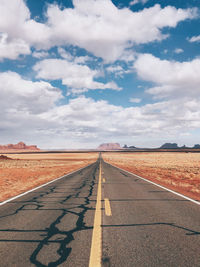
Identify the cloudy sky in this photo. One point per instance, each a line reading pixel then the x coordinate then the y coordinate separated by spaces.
pixel 74 74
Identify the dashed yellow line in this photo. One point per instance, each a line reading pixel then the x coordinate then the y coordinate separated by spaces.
pixel 95 252
pixel 108 211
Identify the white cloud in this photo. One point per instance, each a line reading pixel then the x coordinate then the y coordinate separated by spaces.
pixel 85 119
pixel 76 59
pixel 97 26
pixel 172 79
pixel 21 103
pixel 23 95
pixel 14 15
pixel 128 55
pixel 114 68
pixel 178 50
pixel 117 70
pixel 135 100
pixel 134 2
pixel 12 49
pixel 28 112
pixel 19 28
pixel 64 54
pixel 40 54
pixel 82 59
pixel 15 20
pixel 78 77
pixel 194 39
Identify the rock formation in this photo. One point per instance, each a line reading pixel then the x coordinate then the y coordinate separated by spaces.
pixel 175 146
pixel 129 147
pixel 19 146
pixel 109 146
pixel 169 146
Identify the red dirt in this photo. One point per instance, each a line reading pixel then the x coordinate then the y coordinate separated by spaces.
pixel 32 170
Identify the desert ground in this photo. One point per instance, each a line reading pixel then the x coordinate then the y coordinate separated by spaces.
pixel 177 171
pixel 21 172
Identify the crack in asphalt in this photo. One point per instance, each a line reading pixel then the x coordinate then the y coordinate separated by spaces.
pixel 51 232
pixel 63 250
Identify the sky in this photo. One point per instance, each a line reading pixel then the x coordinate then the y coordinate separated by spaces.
pixel 75 74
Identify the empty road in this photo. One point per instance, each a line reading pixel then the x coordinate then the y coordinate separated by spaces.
pixel 100 216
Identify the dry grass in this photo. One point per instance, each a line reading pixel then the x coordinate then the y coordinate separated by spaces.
pixel 26 171
pixel 178 171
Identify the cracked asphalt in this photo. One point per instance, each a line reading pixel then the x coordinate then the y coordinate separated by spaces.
pixel 51 226
pixel 144 225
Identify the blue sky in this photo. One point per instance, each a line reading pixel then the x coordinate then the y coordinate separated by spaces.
pixel 74 74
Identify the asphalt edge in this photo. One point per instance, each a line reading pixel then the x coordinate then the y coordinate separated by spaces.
pixel 40 186
pixel 174 192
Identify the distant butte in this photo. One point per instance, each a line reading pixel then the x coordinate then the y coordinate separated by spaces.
pixel 109 146
pixel 19 146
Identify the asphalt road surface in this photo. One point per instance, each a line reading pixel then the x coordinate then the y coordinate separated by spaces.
pixel 100 216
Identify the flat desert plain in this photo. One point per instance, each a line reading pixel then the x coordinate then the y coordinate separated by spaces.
pixel 177 171
pixel 22 172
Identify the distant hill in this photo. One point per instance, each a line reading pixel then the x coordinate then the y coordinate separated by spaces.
pixel 197 146
pixel 164 146
pixel 19 146
pixel 130 147
pixel 175 146
pixel 109 146
pixel 169 146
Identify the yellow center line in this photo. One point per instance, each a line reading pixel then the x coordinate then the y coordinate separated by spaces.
pixel 108 211
pixel 95 252
pixel 104 180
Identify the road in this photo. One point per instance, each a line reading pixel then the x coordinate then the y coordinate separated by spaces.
pixel 100 216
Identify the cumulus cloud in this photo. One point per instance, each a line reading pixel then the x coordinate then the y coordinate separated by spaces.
pixel 178 50
pixel 135 100
pixel 97 26
pixel 29 110
pixel 65 54
pixel 21 104
pixel 76 59
pixel 78 77
pixel 15 20
pixel 82 59
pixel 12 49
pixel 40 54
pixel 194 39
pixel 172 79
pixel 34 109
pixel 117 70
pixel 96 120
pixel 17 26
pixel 134 2
pixel 23 95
